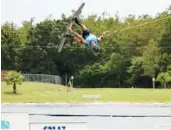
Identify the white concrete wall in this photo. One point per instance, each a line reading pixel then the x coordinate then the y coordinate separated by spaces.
pixel 16 121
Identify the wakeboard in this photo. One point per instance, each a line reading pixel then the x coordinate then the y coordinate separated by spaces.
pixel 63 37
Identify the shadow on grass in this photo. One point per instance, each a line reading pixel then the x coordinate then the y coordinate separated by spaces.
pixel 11 93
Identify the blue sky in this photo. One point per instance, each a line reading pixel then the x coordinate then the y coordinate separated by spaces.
pixel 19 10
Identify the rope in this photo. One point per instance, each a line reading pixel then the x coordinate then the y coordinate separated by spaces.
pixel 137 26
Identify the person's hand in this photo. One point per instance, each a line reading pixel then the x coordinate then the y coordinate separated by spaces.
pixel 103 34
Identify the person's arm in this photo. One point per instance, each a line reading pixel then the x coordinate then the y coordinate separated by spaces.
pixel 75 33
pixel 101 37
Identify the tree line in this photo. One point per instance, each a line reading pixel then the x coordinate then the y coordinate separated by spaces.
pixel 127 58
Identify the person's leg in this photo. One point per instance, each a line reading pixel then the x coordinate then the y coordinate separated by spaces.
pixel 83 27
pixel 78 38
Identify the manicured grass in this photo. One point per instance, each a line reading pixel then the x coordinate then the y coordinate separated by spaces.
pixel 42 92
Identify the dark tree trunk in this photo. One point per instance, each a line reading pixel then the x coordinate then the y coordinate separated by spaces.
pixel 14 88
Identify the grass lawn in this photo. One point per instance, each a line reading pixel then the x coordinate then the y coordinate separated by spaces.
pixel 42 92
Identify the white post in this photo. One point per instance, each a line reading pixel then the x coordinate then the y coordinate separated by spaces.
pixel 153 79
pixel 72 80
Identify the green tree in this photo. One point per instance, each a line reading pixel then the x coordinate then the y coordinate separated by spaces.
pixel 169 69
pixel 14 77
pixel 24 30
pixel 151 59
pixel 165 61
pixel 42 42
pixel 164 78
pixel 135 70
pixel 91 75
pixel 165 32
pixel 10 46
pixel 116 68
